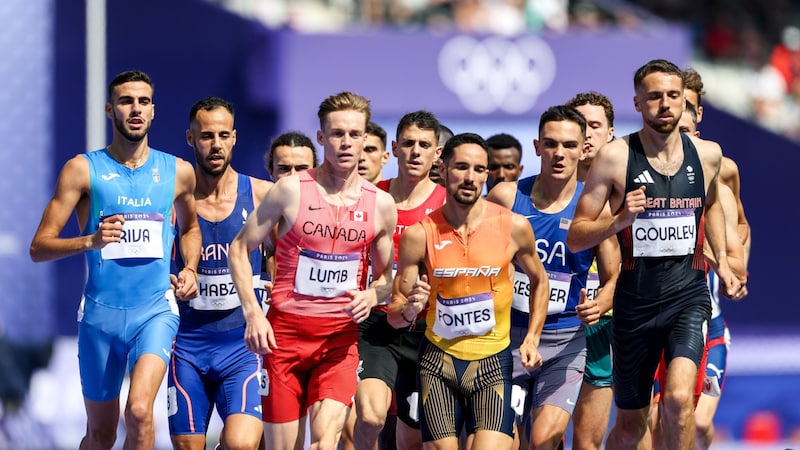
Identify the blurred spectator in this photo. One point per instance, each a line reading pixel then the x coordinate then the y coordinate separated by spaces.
pixel 786 57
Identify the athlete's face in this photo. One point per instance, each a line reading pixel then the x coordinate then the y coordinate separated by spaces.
pixel 212 137
pixel 694 98
pixel 688 125
pixel 465 173
pixel 132 110
pixel 374 156
pixel 504 165
pixel 416 149
pixel 660 100
pixel 598 133
pixel 560 145
pixel 342 137
pixel 290 160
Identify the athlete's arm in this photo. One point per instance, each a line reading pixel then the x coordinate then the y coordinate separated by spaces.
pixel 605 184
pixel 72 191
pixel 280 201
pixel 729 176
pixel 409 291
pixel 609 261
pixel 711 157
pixel 527 258
pixel 503 194
pixel 191 239
pixel 381 256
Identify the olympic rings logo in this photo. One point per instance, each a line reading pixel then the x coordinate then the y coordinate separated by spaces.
pixel 497 73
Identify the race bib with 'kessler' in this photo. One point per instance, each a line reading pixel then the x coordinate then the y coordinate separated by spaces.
pixel 141 238
pixel 472 315
pixel 558 292
pixel 664 232
pixel 326 275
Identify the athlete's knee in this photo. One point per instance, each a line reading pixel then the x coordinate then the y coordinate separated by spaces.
pixel 677 402
pixel 704 425
pixel 138 415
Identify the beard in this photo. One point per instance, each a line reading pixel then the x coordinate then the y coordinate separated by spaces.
pixel 664 128
pixel 213 171
pixel 133 136
pixel 464 199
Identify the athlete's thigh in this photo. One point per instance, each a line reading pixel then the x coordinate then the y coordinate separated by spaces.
pixel 489 403
pixel 441 409
pixel 102 353
pixel 636 350
pixel 237 381
pixel 188 399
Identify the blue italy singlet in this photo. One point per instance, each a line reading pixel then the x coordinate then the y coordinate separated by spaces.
pixel 217 306
pixel 567 271
pixel 136 270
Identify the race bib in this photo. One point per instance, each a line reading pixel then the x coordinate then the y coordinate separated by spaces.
pixel 592 285
pixel 559 291
pixel 522 292
pixel 216 291
pixel 141 238
pixel 326 274
pixel 472 315
pixel 664 232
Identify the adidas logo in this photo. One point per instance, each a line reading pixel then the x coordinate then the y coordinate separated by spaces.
pixel 644 178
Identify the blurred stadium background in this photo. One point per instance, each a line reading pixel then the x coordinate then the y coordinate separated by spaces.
pixel 485 66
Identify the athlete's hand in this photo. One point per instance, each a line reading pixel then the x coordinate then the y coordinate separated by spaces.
pixel 361 304
pixel 730 285
pixel 186 285
pixel 259 336
pixel 420 293
pixel 529 354
pixel 634 204
pixel 588 310
pixel 109 230
pixel 173 282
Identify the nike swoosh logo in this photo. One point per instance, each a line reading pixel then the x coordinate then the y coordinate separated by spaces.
pixel 166 352
pixel 310 208
pixel 530 216
pixel 109 176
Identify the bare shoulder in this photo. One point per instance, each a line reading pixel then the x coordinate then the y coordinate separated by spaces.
pixel 384 203
pixel 260 187
pixel 521 229
pixel 709 151
pixel 503 194
pixel 77 166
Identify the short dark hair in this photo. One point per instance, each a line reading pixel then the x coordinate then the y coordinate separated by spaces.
pixel 208 104
pixel 657 66
pixel 424 120
pixel 377 131
pixel 560 113
pixel 694 82
pixel 596 99
pixel 127 77
pixel 461 139
pixel 290 139
pixel 504 140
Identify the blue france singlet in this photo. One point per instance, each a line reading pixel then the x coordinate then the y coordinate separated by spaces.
pixel 134 271
pixel 567 271
pixel 217 307
pixel 662 252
